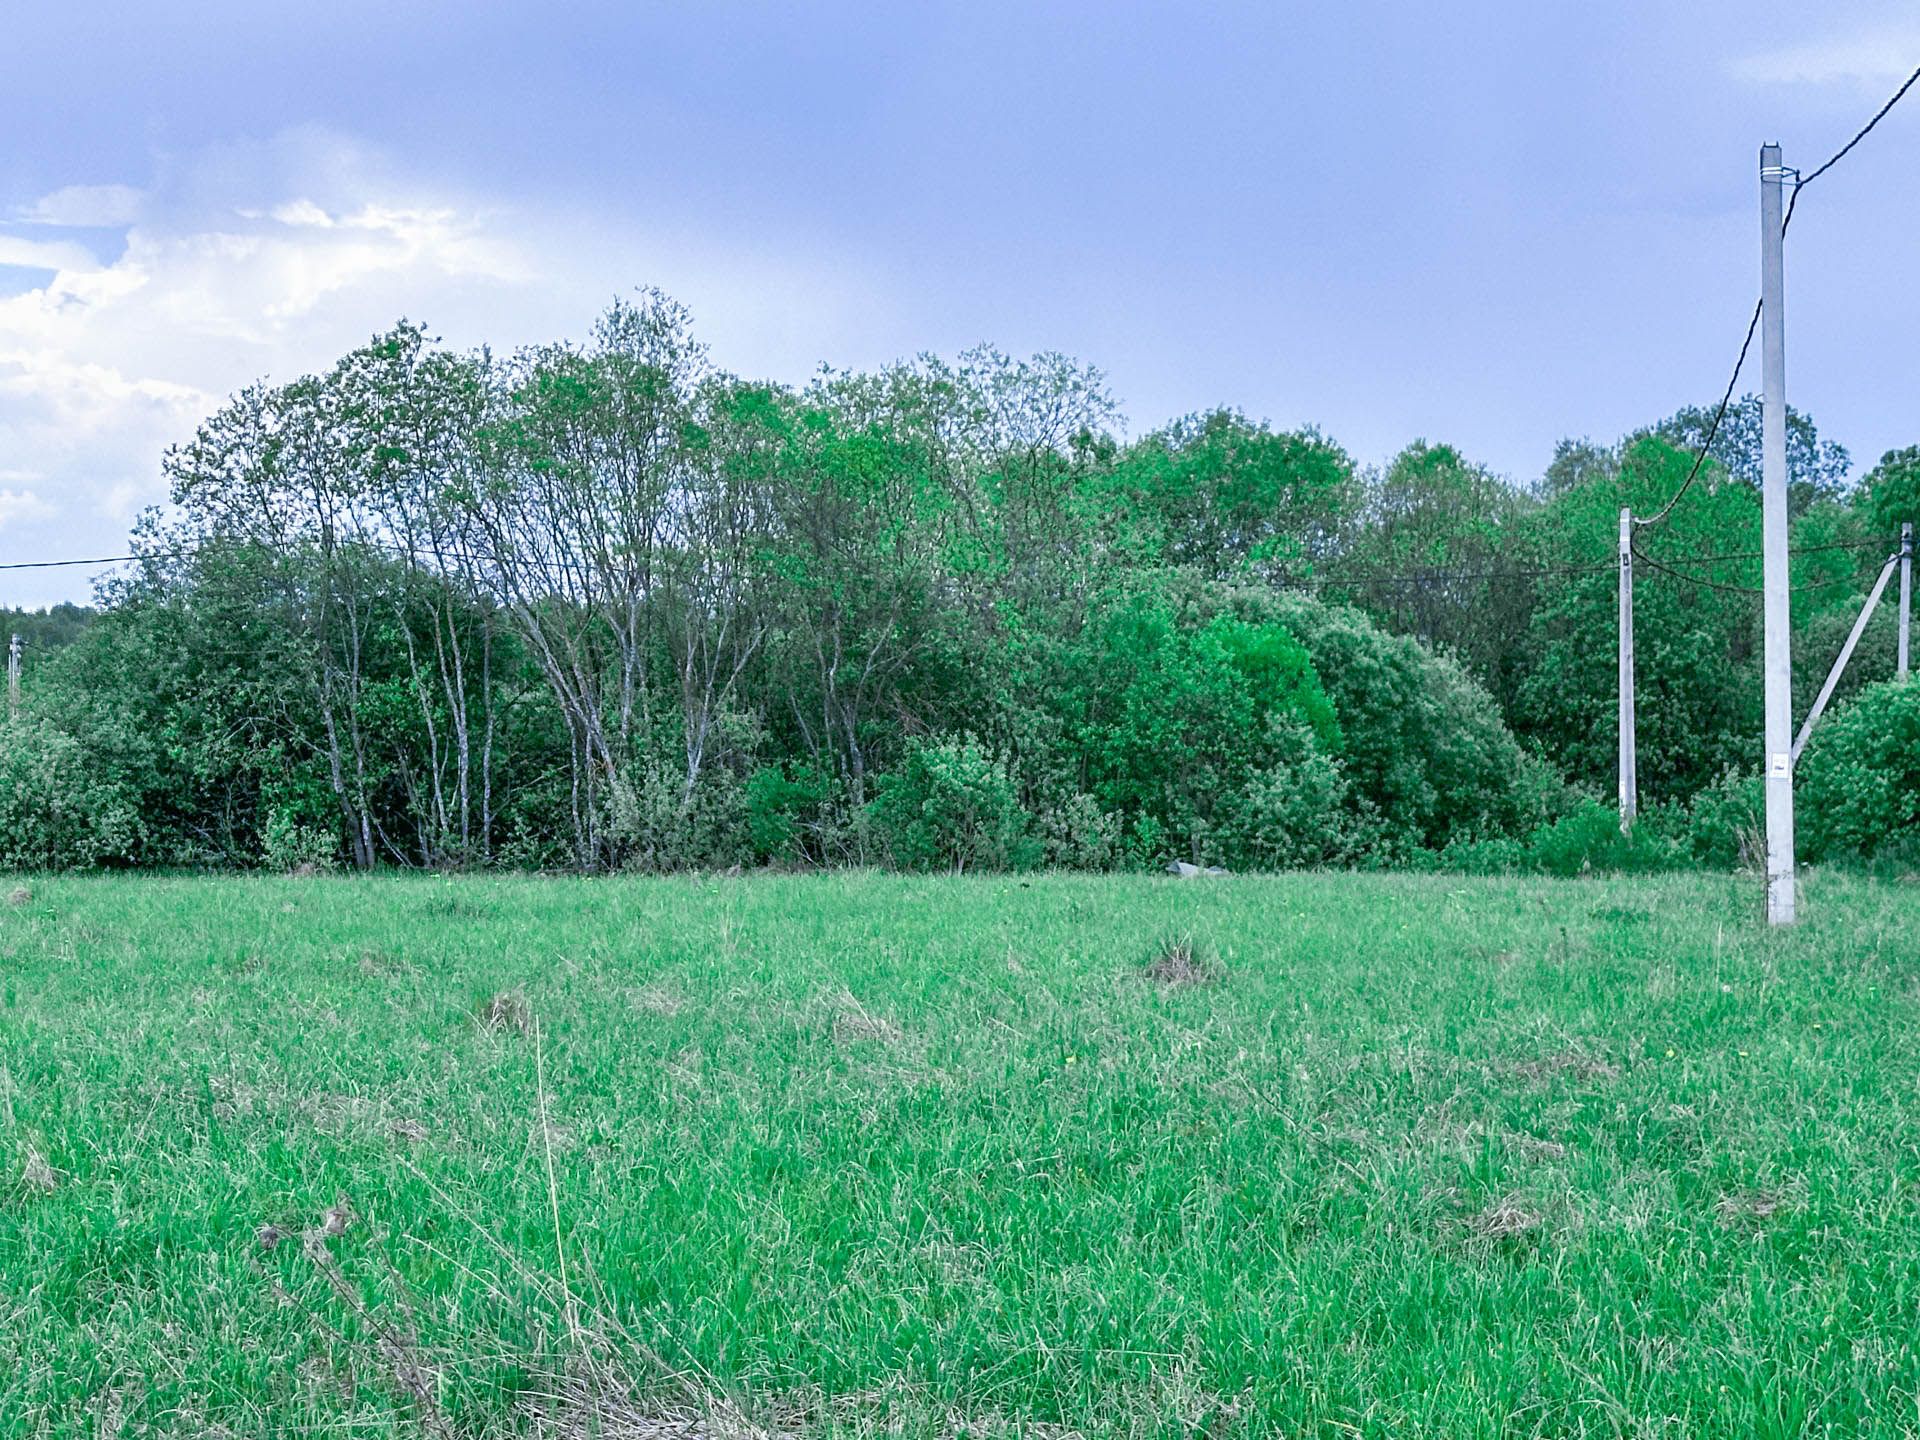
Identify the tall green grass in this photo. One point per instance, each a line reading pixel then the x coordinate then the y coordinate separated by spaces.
pixel 863 1154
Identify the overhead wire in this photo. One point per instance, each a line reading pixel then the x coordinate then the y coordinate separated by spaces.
pixel 1800 183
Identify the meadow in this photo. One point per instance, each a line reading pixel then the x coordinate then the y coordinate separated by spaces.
pixel 863 1154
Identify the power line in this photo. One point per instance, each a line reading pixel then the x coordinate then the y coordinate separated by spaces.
pixel 97 560
pixel 1426 576
pixel 1864 130
pixel 1719 414
pixel 1416 577
pixel 1827 548
pixel 1726 587
pixel 1800 184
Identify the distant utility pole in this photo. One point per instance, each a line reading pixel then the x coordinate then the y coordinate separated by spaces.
pixel 13 674
pixel 1777 647
pixel 1906 597
pixel 1629 765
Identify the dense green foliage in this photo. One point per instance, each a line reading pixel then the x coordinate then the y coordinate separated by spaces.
pixel 874 1155
pixel 1860 778
pixel 603 606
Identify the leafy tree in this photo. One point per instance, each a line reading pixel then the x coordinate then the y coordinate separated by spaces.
pixel 603 605
pixel 1577 463
pixel 1890 494
pixel 47 628
pixel 1695 628
pixel 1816 469
pixel 1183 704
pixel 1228 497
pixel 1426 555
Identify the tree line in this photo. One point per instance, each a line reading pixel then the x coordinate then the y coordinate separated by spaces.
pixel 604 605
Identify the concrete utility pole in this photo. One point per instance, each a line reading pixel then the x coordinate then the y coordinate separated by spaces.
pixel 13 674
pixel 1777 647
pixel 1906 597
pixel 1629 764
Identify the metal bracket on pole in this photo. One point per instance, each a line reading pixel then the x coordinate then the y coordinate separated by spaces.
pixel 1846 654
pixel 1629 765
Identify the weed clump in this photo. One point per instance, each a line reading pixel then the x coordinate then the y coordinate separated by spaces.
pixel 1573 1064
pixel 19 895
pixel 1181 960
pixel 1747 1208
pixel 506 1010
pixel 37 1173
pixel 854 1024
pixel 1508 1218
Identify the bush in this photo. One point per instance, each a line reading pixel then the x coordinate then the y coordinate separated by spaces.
pixel 1589 840
pixel 1859 779
pixel 1425 753
pixel 1726 823
pixel 1503 855
pixel 1181 704
pixel 56 812
pixel 787 810
pixel 1586 840
pixel 953 807
pixel 287 843
pixel 1292 813
pixel 1079 835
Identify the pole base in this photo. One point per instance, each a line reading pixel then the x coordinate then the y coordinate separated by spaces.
pixel 1780 899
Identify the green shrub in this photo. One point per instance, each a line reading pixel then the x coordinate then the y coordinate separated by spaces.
pixel 1292 813
pixel 1859 779
pixel 952 806
pixel 1589 840
pixel 1181 707
pixel 288 843
pixel 1502 855
pixel 56 811
pixel 1079 835
pixel 1424 745
pixel 1146 844
pixel 1726 822
pixel 787 809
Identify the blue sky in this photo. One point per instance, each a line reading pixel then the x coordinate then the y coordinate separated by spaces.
pixel 1493 224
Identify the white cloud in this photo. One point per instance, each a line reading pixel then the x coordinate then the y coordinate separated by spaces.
pixel 44 254
pixel 91 205
pixel 1870 57
pixel 17 505
pixel 270 259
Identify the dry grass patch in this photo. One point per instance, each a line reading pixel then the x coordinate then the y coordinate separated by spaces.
pixel 1181 960
pixel 19 895
pixel 1748 1208
pixel 1532 1148
pixel 657 1000
pixel 506 1010
pixel 36 1173
pixel 1511 1217
pixel 853 1023
pixel 1565 1064
pixel 583 1407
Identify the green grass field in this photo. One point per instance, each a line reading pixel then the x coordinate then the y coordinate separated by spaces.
pixel 877 1155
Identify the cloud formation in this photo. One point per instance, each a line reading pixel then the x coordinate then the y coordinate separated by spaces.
pixel 271 259
pixel 1871 57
